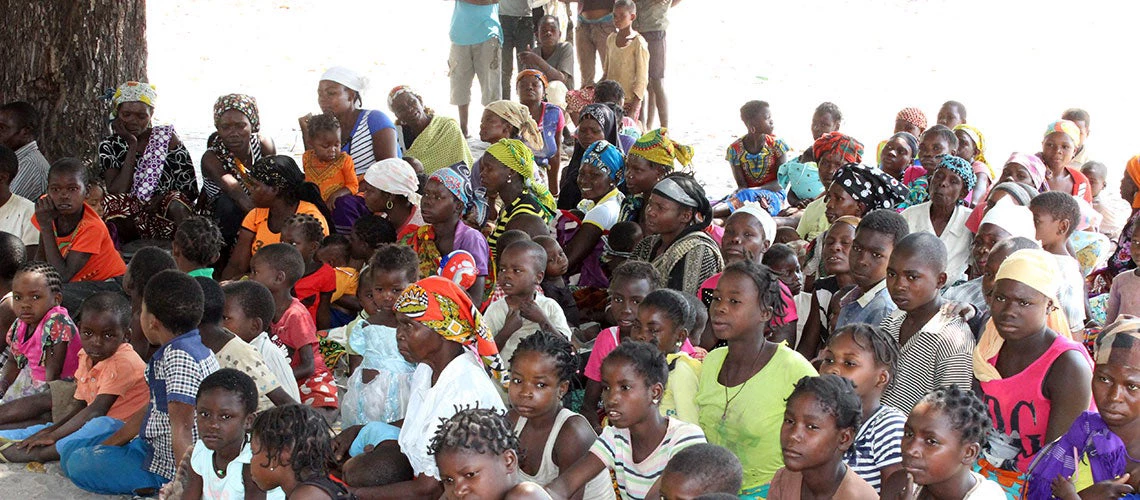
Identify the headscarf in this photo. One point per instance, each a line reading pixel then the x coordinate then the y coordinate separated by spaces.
pixel 1032 164
pixel 607 158
pixel 519 117
pixel 439 304
pixel 246 104
pixel 532 72
pixel 518 157
pixel 961 168
pixel 913 116
pixel 133 91
pixel 347 77
pixel 870 186
pixel 1126 328
pixel 457 179
pixel 605 115
pixel 400 90
pixel 656 147
pixel 1066 127
pixel 395 176
pixel 850 220
pixel 801 179
pixel 761 214
pixel 1018 191
pixel 1132 169
pixel 911 142
pixel 282 172
pixel 685 191
pixel 609 117
pixel 1013 219
pixel 1037 269
pixel 978 138
pixel 851 149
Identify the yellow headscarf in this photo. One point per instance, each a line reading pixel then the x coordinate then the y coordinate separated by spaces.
pixel 519 117
pixel 133 91
pixel 657 147
pixel 980 143
pixel 1037 269
pixel 518 157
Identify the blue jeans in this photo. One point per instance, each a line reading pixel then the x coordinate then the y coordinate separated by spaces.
pixel 109 470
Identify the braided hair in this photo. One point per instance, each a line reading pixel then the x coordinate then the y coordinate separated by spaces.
pixel 200 240
pixel 967 413
pixel 482 430
pixel 884 347
pixel 835 395
pixel 48 271
pixel 767 284
pixel 300 431
pixel 675 306
pixel 311 227
pixel 556 347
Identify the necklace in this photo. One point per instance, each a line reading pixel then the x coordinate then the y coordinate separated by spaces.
pixel 220 471
pixel 728 400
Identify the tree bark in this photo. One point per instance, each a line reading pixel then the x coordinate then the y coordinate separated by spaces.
pixel 62 56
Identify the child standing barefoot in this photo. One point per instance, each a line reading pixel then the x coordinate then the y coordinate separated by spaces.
pixel 551 438
pixel 942 439
pixel 292 447
pixel 41 342
pixel 819 426
pixel 220 462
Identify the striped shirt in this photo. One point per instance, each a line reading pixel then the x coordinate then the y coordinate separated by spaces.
pixel 877 445
pixel 634 479
pixel 940 354
pixel 359 147
pixel 526 203
pixel 31 180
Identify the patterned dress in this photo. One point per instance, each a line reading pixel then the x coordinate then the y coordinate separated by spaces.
pixel 163 175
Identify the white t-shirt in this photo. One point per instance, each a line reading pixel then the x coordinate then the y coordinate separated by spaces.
pixel 230 487
pixel 496 315
pixel 957 238
pixel 605 213
pixel 278 364
pixel 463 383
pixel 16 218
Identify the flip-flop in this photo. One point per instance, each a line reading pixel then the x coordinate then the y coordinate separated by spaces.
pixel 4 446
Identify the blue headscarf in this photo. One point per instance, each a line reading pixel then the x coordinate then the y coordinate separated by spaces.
pixel 960 167
pixel 457 179
pixel 607 158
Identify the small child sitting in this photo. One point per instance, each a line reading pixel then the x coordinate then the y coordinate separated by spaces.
pixel 664 319
pixel 875 238
pixel 480 439
pixel 619 245
pixel 147 262
pixel 700 470
pixel 233 352
pixel 110 387
pixel 292 450
pixel 334 251
pixel 197 245
pixel 1120 303
pixel 367 309
pixel 123 463
pixel 378 388
pixel 554 280
pixel 820 422
pixel 368 233
pixel 755 160
pixel 220 463
pixel 41 342
pixel 326 165
pixel 249 313
pixel 1113 209
pixel 13 254
pixel 16 212
pixel 278 267
pixel 1055 214
pixel 785 264
pixel 73 239
pixel 522 311
pixel 317 284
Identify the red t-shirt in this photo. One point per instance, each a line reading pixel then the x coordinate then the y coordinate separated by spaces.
pixel 295 330
pixel 323 280
pixel 90 237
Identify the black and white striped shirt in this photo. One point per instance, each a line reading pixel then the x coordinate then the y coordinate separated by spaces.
pixel 877 445
pixel 940 354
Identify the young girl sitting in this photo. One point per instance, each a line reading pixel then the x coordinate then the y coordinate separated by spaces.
pixel 943 436
pixel 551 438
pixel 665 319
pixel 220 463
pixel 819 426
pixel 744 386
pixel 316 286
pixel 756 157
pixel 326 165
pixel 639 440
pixel 42 343
pixel 867 357
pixel 836 245
pixel 478 457
pixel 378 388
pixel 292 449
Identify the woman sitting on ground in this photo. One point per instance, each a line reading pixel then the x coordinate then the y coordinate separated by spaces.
pixel 434 140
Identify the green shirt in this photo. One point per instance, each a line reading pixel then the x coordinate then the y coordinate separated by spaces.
pixel 204 272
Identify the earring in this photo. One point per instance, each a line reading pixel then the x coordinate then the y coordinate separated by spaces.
pixel 655 401
pixel 389 206
pixel 510 181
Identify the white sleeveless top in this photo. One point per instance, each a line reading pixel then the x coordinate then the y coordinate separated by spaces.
pixel 599 488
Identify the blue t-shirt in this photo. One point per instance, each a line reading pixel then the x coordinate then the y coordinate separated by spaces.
pixel 474 24
pixel 359 147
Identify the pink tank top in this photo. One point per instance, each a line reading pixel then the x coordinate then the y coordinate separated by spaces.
pixel 1018 407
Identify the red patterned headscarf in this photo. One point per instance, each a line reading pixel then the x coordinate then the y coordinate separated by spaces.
pixel 913 116
pixel 829 143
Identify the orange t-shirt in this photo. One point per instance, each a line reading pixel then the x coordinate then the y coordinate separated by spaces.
pixel 330 176
pixel 91 237
pixel 123 375
pixel 257 221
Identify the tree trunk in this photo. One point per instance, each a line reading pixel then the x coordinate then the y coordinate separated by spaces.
pixel 62 56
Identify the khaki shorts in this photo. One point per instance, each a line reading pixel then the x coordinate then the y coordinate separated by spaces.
pixel 63 400
pixel 481 60
pixel 656 40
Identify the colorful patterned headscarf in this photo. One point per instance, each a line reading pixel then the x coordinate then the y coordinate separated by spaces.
pixel 1066 127
pixel 532 72
pixel 656 147
pixel 913 116
pixel 1132 169
pixel 1032 164
pixel 457 179
pixel 870 186
pixel 960 167
pixel 606 117
pixel 246 104
pixel 831 142
pixel 519 117
pixel 133 92
pixel 395 176
pixel 607 158
pixel 1122 334
pixel 278 171
pixel 979 141
pixel 518 157
pixel 439 304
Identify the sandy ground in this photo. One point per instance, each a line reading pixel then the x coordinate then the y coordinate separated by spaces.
pixel 1016 65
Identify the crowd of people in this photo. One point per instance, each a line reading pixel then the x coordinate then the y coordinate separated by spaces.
pixel 392 317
